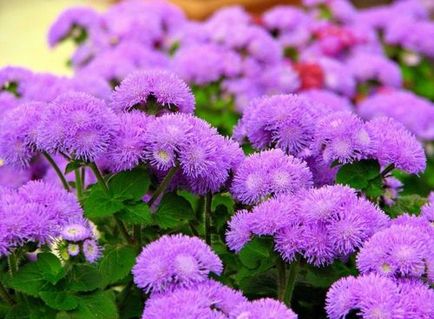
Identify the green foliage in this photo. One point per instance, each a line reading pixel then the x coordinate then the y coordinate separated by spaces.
pixel 173 211
pixel 116 264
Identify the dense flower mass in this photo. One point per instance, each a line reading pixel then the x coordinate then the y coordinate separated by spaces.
pixel 226 168
pixel 175 261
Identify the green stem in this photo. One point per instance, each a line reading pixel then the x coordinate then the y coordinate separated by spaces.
pixel 78 183
pixel 207 217
pixel 58 171
pixel 5 295
pixel 123 230
pixel 13 264
pixel 291 281
pixel 281 279
pixel 83 177
pixel 387 170
pixel 137 234
pixel 163 185
pixel 99 177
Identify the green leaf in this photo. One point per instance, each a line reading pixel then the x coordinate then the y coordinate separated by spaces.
pixel 407 204
pixel 50 267
pixel 116 264
pixel 59 300
pixel 358 174
pixel 83 278
pixel 28 280
pixel 173 211
pixel 100 305
pixel 73 165
pixel 130 184
pixel 97 203
pixel 374 188
pixel 223 199
pixel 136 214
pixel 253 252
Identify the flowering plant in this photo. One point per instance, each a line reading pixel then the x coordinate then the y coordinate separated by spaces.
pixel 240 167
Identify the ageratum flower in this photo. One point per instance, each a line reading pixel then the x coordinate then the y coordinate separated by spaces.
pixel 206 300
pixel 45 87
pixel 419 119
pixel 400 251
pixel 261 309
pixel 154 92
pixel 18 130
pixel 327 223
pixel 342 136
pixel 91 250
pixel 283 121
pixel 13 79
pixel 373 296
pixel 175 261
pixel 327 101
pixel 395 145
pixel 269 173
pixel 127 150
pixel 204 157
pixel 336 76
pixel 376 68
pixel 77 124
pixel 36 212
pixel 76 23
pixel 13 177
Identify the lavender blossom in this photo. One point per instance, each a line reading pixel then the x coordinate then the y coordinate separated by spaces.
pixel 265 308
pixel 175 261
pixel 154 92
pixel 91 250
pixel 269 173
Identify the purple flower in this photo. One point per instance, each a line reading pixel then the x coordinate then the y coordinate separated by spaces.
pixel 73 250
pixel 268 173
pixel 417 300
pixel 205 158
pixel 337 78
pixel 76 231
pixel 77 124
pixel 395 145
pixel 13 79
pixel 400 251
pixel 418 119
pixel 265 308
pixel 93 85
pixel 18 131
pixel 127 150
pixel 327 101
pixel 392 189
pixel 175 261
pixel 239 230
pixel 45 87
pixel 282 120
pixel 91 250
pixel 206 300
pixel 155 92
pixel 369 296
pixel 342 137
pixel 76 23
pixel 13 177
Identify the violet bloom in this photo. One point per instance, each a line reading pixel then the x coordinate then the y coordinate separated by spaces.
pixel 202 64
pixel 45 87
pixel 401 251
pixel 92 84
pixel 283 121
pixel 204 158
pixel 327 101
pixel 13 177
pixel 265 308
pixel 328 223
pixel 175 261
pixel 418 119
pixel 392 189
pixel 18 132
pixel 154 92
pixel 91 250
pixel 373 296
pixel 269 173
pixel 342 136
pixel 206 300
pixel 37 213
pixel 76 23
pixel 77 124
pixel 337 77
pixel 76 231
pixel 13 79
pixel 127 150
pixel 395 145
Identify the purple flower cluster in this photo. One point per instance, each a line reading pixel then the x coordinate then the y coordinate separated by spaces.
pixel 320 224
pixel 175 269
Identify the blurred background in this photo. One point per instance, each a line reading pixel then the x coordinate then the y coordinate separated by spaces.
pixel 24 25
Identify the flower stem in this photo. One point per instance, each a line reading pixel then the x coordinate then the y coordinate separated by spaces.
pixel 5 295
pixel 291 281
pixel 99 177
pixel 286 280
pixel 207 217
pixel 387 170
pixel 163 185
pixel 12 264
pixel 78 183
pixel 58 171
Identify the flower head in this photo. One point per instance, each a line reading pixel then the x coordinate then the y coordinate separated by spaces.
pixel 91 250
pixel 154 92
pixel 265 308
pixel 175 261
